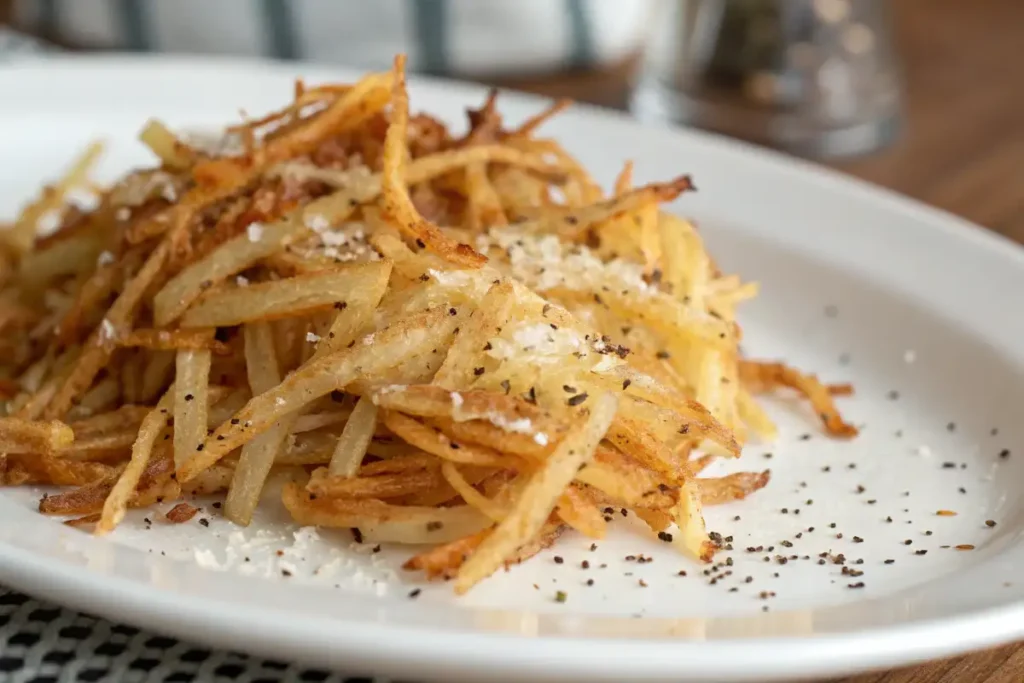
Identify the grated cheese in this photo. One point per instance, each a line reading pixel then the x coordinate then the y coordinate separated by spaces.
pixel 543 262
pixel 544 344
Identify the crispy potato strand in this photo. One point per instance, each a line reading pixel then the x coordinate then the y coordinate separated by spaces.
pixel 437 338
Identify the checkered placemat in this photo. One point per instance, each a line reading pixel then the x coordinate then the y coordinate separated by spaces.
pixel 43 643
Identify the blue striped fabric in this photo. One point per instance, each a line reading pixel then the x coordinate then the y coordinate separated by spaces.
pixel 441 36
pixel 431 21
pixel 132 15
pixel 280 27
pixel 582 52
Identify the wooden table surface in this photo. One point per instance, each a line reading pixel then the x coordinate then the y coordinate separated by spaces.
pixel 962 149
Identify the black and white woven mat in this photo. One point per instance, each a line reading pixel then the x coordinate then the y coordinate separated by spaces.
pixel 44 643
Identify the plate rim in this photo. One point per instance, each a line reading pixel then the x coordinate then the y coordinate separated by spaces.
pixel 820 655
pixel 546 658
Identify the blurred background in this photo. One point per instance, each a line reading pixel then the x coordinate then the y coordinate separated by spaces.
pixel 917 95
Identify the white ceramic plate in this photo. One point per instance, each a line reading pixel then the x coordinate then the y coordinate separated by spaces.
pixel 858 284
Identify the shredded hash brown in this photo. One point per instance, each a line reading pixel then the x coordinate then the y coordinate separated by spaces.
pixel 457 341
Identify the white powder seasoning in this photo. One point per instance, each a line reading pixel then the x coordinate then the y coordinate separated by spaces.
pixel 254 232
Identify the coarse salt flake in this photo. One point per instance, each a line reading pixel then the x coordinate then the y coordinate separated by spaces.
pixel 242 281
pixel 312 337
pixel 606 364
pixel 331 238
pixel 107 330
pixel 207 560
pixel 254 232
pixel 104 259
pixel 317 222
pixel 521 425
